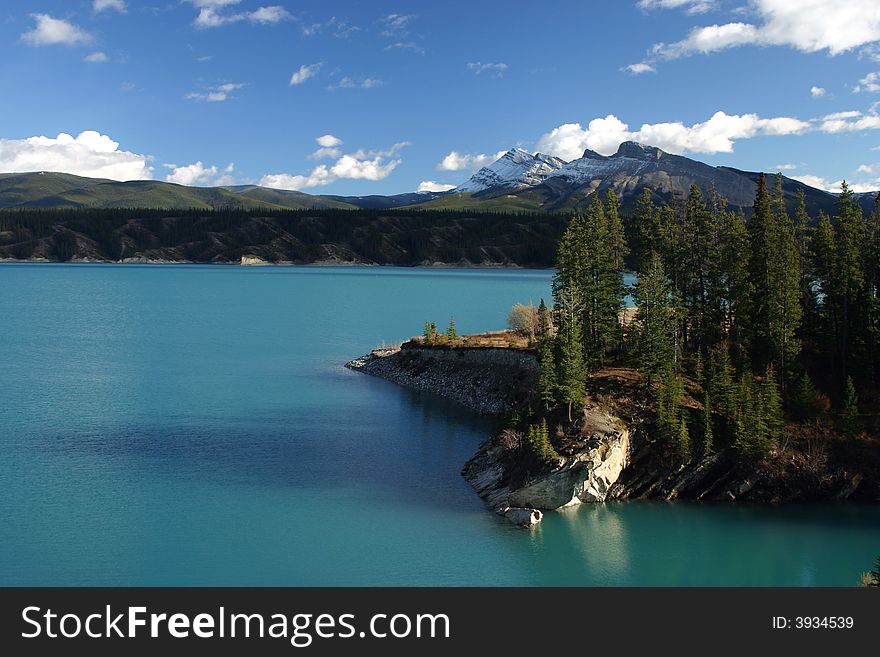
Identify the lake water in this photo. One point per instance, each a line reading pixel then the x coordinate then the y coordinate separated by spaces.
pixel 193 425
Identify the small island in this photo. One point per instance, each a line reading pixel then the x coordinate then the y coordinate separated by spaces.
pixel 745 371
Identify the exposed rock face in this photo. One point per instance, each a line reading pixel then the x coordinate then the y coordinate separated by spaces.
pixel 583 477
pixel 487 380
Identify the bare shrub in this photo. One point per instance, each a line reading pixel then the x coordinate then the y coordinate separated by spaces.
pixel 523 320
pixel 510 439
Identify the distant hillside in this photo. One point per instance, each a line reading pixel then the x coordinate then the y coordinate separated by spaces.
pixel 381 237
pixel 62 190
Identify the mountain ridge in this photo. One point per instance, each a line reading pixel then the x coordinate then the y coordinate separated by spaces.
pixel 518 181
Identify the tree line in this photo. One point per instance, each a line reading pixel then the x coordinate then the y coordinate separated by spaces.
pixel 742 323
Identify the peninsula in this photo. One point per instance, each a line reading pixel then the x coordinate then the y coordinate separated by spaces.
pixel 745 372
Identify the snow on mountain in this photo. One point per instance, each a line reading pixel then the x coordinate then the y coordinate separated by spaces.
pixel 515 170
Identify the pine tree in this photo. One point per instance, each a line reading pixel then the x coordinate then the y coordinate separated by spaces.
pixel 617 238
pixel 671 424
pixel 734 276
pixel 654 320
pixel 804 406
pixel 427 333
pixel 545 323
pixel 848 281
pixel 872 287
pixel 546 371
pixel 708 437
pixel 450 330
pixel 803 238
pixel 648 237
pixel 786 310
pixel 538 439
pixel 774 310
pixel 771 405
pixel 600 285
pixel 571 372
pixel 850 424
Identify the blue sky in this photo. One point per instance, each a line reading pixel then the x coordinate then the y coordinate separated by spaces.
pixel 410 92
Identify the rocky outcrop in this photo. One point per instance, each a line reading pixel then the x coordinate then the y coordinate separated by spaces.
pixel 485 379
pixel 584 475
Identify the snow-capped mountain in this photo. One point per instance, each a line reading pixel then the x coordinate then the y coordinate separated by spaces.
pixel 635 166
pixel 515 170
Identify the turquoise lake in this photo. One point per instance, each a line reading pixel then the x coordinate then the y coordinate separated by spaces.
pixel 194 425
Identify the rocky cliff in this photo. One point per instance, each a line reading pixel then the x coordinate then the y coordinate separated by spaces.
pixel 488 380
pixel 585 473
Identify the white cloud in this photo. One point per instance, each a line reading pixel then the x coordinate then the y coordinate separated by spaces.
pixel 406 45
pixel 55 31
pixel 871 83
pixel 431 186
pixel 329 148
pixel 786 167
pixel 396 24
pixel 338 28
pixel 198 174
pixel 496 68
pixel 96 58
pixel 88 154
pixel 850 121
pixel 305 72
pixel 817 92
pixel 360 165
pixel 216 94
pixel 102 5
pixel 456 161
pixel 354 83
pixel 328 141
pixel 691 6
pixel 869 169
pixel 638 69
pixel 809 26
pixel 211 14
pixel 717 135
pixel 834 186
pixel 269 15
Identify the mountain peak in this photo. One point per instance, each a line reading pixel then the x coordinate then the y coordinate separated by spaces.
pixel 635 150
pixel 515 170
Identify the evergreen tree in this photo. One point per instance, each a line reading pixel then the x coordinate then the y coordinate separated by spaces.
pixel 850 424
pixel 427 332
pixel 720 383
pixel 671 424
pixel 546 371
pixel 571 372
pixel 708 437
pixel 545 323
pixel 733 276
pixel 648 236
pixel 616 236
pixel 654 320
pixel 804 406
pixel 803 238
pixel 774 295
pixel 538 439
pixel 786 309
pixel 872 287
pixel 771 405
pixel 451 333
pixel 847 280
pixel 600 285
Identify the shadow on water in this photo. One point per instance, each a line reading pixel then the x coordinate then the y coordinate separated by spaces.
pixel 410 447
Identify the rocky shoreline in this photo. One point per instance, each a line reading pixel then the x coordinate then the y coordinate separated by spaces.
pixel 603 457
pixel 486 380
